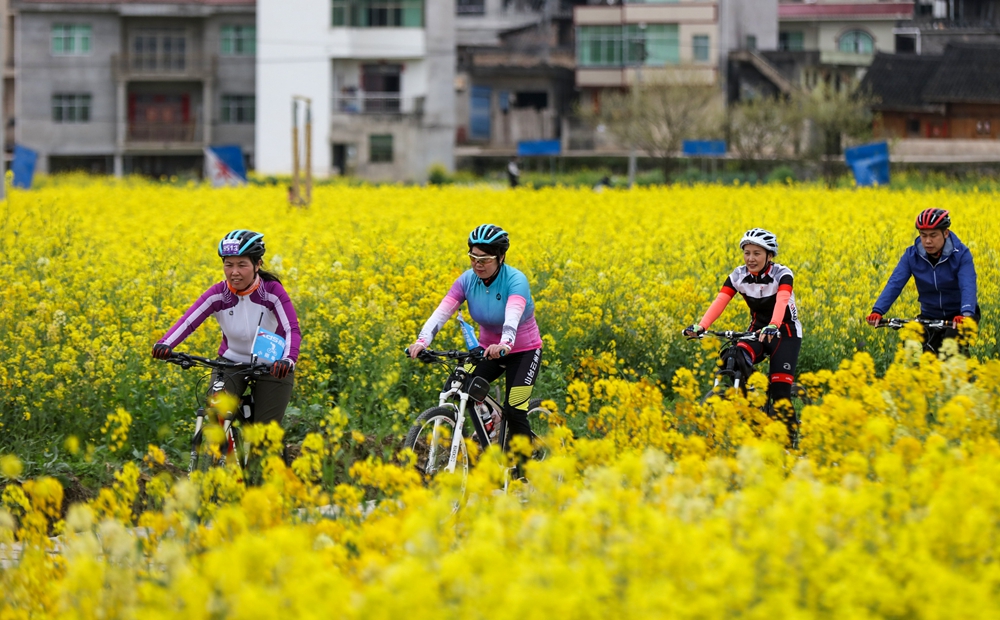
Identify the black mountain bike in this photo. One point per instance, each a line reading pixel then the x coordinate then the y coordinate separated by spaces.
pixel 209 454
pixel 734 371
pixel 930 326
pixel 437 435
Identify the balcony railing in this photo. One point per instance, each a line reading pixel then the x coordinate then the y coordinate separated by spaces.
pixel 377 103
pixel 164 132
pixel 164 66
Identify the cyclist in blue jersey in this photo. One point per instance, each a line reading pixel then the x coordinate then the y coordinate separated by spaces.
pixel 944 273
pixel 500 301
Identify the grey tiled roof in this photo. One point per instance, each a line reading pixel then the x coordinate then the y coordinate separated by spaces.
pixel 898 80
pixel 970 73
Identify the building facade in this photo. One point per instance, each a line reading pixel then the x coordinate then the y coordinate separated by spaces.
pixel 380 75
pixel 620 43
pixel 133 87
pixel 936 23
pixel 515 77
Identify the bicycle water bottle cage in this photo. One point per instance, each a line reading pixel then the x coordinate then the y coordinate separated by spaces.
pixel 477 388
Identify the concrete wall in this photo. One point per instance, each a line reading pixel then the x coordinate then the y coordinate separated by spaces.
pixel 41 75
pixel 234 75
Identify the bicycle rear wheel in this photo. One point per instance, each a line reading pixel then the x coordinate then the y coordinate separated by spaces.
pixel 430 439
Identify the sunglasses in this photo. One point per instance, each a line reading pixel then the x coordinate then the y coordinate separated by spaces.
pixel 481 259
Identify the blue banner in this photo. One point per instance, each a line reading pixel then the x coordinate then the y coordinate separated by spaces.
pixel 869 163
pixel 224 165
pixel 23 166
pixel 704 148
pixel 527 148
pixel 471 342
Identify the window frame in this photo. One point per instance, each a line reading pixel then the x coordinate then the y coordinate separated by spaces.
pixel 75 32
pixel 73 108
pixel 241 40
pixel 238 109
pixel 360 13
pixel 701 42
pixel 855 35
pixel 378 155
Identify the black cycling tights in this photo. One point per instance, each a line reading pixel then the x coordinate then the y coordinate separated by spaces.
pixel 784 354
pixel 522 370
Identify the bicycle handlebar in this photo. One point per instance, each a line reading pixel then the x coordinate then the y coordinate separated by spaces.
pixel 731 335
pixel 429 356
pixel 899 323
pixel 186 361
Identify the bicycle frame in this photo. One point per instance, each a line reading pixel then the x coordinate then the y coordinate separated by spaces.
pixel 461 384
pixel 186 362
pixel 732 338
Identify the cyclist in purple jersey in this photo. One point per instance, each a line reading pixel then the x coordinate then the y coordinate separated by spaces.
pixel 249 297
pixel 500 301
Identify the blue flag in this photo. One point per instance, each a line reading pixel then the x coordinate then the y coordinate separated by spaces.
pixel 471 342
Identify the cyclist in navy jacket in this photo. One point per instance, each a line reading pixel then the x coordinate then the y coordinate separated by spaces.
pixel 943 271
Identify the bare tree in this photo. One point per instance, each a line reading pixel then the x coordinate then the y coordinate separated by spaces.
pixel 657 116
pixel 833 114
pixel 762 127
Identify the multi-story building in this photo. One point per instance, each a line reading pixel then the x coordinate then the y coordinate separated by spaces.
pixel 620 42
pixel 936 23
pixel 831 41
pixel 137 86
pixel 515 77
pixel 9 82
pixel 380 75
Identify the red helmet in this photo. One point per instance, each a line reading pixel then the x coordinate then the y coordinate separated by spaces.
pixel 930 219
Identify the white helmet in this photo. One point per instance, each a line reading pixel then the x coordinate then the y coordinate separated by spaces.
pixel 761 237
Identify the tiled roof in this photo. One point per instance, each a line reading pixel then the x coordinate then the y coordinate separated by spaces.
pixel 970 73
pixel 898 80
pixel 965 73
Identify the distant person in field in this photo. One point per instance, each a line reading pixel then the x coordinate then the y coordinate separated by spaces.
pixel 248 297
pixel 513 172
pixel 945 276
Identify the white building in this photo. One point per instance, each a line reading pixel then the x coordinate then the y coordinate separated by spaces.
pixel 381 77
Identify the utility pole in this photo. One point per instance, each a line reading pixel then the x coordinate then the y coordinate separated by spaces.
pixel 295 194
pixel 632 154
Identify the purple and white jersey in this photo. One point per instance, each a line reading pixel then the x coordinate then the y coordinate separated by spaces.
pixel 267 305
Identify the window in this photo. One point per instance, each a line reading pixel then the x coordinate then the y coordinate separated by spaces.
pixel 239 40
pixel 470 7
pixel 159 50
pixel 629 45
pixel 238 108
pixel 856 42
pixel 913 127
pixel 751 42
pixel 71 108
pixel 70 39
pixel 656 44
pixel 599 46
pixel 700 47
pixel 791 41
pixel 378 13
pixel 380 148
pixel 381 85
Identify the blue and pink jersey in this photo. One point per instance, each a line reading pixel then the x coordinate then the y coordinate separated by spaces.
pixel 265 304
pixel 504 310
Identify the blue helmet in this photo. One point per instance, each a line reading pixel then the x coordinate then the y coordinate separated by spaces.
pixel 242 243
pixel 490 235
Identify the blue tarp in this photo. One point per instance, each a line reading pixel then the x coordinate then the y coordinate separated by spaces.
pixel 870 163
pixel 23 166
pixel 527 148
pixel 704 148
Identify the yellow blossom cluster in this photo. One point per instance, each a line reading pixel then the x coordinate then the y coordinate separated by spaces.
pixel 95 271
pixel 891 508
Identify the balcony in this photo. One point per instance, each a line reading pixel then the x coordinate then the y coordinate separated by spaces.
pixel 182 136
pixel 369 103
pixel 163 67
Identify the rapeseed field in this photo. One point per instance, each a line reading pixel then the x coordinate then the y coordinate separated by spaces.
pixel 650 504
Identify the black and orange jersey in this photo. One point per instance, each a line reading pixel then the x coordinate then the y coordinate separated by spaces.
pixel 760 291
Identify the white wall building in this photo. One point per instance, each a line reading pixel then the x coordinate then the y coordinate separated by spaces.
pixel 381 77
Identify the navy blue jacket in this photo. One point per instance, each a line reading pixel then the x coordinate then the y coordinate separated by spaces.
pixel 945 290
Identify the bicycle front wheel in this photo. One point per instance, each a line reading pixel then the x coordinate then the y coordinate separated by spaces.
pixel 430 439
